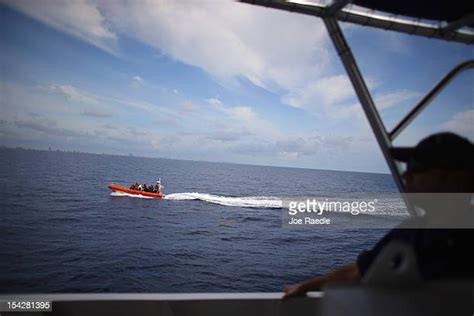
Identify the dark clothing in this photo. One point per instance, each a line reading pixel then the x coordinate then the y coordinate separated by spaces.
pixel 441 253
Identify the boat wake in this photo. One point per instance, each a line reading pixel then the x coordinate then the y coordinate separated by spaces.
pixel 118 193
pixel 244 201
pixel 386 207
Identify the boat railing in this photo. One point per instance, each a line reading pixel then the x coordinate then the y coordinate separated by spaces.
pixel 168 304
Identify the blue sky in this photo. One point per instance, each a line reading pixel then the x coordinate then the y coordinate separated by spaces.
pixel 215 81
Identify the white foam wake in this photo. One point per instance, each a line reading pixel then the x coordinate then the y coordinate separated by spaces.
pixel 244 201
pixel 118 193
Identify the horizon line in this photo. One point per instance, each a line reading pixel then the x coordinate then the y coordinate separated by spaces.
pixel 131 155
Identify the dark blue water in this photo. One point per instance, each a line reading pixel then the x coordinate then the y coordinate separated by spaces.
pixel 62 231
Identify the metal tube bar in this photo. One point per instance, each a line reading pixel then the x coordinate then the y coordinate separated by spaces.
pixel 429 97
pixel 58 297
pixel 366 100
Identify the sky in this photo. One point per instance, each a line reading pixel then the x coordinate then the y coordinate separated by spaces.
pixel 214 81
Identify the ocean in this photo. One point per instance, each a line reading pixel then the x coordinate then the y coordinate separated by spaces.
pixel 217 230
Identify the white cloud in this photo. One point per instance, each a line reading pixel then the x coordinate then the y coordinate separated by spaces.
pixel 245 117
pixel 228 135
pixel 96 113
pixel 228 39
pixel 137 81
pixel 383 102
pixel 273 49
pixel 75 94
pixel 292 155
pixel 189 107
pixel 462 123
pixel 298 146
pixel 334 97
pixel 48 127
pixel 214 102
pixel 224 133
pixel 388 100
pixel 321 93
pixel 71 93
pixel 80 18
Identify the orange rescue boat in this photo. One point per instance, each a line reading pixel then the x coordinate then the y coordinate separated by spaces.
pixel 115 187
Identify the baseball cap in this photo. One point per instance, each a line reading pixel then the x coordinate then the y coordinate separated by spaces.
pixel 438 151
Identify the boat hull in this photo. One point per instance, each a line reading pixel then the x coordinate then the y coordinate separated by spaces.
pixel 120 188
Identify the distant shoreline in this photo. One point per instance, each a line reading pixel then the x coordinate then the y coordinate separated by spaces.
pixel 56 150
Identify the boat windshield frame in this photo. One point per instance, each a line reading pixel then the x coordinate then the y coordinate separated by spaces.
pixel 338 10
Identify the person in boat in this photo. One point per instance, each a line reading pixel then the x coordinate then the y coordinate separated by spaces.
pixel 159 186
pixel 149 188
pixel 140 187
pixel 440 163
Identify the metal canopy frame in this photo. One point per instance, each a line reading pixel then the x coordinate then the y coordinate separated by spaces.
pixel 453 31
pixel 335 12
pixel 458 24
